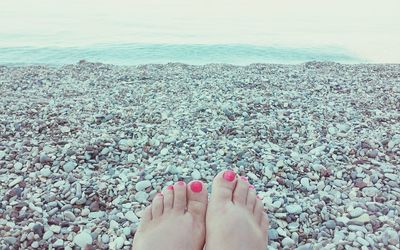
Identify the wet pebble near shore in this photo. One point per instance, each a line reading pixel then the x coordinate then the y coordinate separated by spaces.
pixel 84 148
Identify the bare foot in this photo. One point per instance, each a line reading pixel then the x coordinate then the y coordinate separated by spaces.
pixel 175 220
pixel 235 217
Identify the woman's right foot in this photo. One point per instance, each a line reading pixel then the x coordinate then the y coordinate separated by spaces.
pixel 235 216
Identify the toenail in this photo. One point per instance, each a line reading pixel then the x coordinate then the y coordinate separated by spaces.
pixel 160 194
pixel 196 186
pixel 170 187
pixel 181 183
pixel 244 178
pixel 251 187
pixel 258 197
pixel 229 175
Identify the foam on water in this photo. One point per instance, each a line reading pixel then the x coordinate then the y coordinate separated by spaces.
pixel 132 54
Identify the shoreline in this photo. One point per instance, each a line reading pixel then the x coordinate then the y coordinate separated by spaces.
pixel 82 146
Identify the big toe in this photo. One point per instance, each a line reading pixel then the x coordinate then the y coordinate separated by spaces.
pixel 197 198
pixel 223 186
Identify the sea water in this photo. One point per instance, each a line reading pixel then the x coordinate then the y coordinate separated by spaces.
pixel 240 32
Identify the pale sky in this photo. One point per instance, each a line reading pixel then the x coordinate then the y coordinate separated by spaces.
pixel 368 28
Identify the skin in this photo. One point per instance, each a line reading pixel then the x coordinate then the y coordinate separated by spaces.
pixel 181 219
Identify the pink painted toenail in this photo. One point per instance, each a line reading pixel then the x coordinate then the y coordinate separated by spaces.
pixel 181 183
pixel 251 187
pixel 229 175
pixel 196 186
pixel 244 178
pixel 258 197
pixel 170 187
pixel 160 194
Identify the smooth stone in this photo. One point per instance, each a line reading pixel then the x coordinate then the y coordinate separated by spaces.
pixel 252 176
pixel 391 236
pixel 38 229
pixel 2 154
pixel 15 181
pixel 294 209
pixel 46 172
pixel 273 234
pixel 268 172
pixel 69 166
pixel 356 228
pixel 288 242
pixel 35 244
pixel 196 175
pixel 18 166
pixel 114 225
pixel 47 235
pixel 131 216
pixel 142 185
pixel 85 211
pixel 58 243
pixel 330 224
pixel 164 151
pixel 126 231
pixel 356 212
pixel 55 228
pixel 392 177
pixel 10 240
pixel 305 182
pixel 370 191
pixel 82 239
pixel 69 216
pixel 364 218
pixel 141 196
pixel 119 242
pixel 105 238
pixel 362 241
pixel 96 215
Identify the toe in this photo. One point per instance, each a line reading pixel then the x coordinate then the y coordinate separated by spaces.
pixel 146 217
pixel 179 197
pixel 168 198
pixel 264 225
pixel 251 199
pixel 197 198
pixel 223 185
pixel 157 206
pixel 241 190
pixel 258 210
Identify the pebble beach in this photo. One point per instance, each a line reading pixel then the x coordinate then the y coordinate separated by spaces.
pixel 85 147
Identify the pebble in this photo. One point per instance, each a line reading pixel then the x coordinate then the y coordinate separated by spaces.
pixel 119 242
pixel 141 197
pixel 330 224
pixel 47 235
pixel 288 242
pixel 273 234
pixel 196 174
pixel 69 166
pixel 356 212
pixel 55 228
pixel 131 216
pixel 91 179
pixel 58 243
pixel 69 216
pixel 142 185
pixel 105 238
pixel 294 209
pixel 15 181
pixel 35 244
pixel 362 241
pixel 46 172
pixel 82 239
pixel 305 182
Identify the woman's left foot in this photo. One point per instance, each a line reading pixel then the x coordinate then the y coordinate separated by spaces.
pixel 175 220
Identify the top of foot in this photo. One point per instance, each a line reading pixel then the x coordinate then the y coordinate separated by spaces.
pixel 235 216
pixel 175 220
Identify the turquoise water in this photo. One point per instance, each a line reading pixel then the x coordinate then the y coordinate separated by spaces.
pixel 132 54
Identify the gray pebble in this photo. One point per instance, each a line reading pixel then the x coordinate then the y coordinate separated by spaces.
pixel 69 166
pixel 142 185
